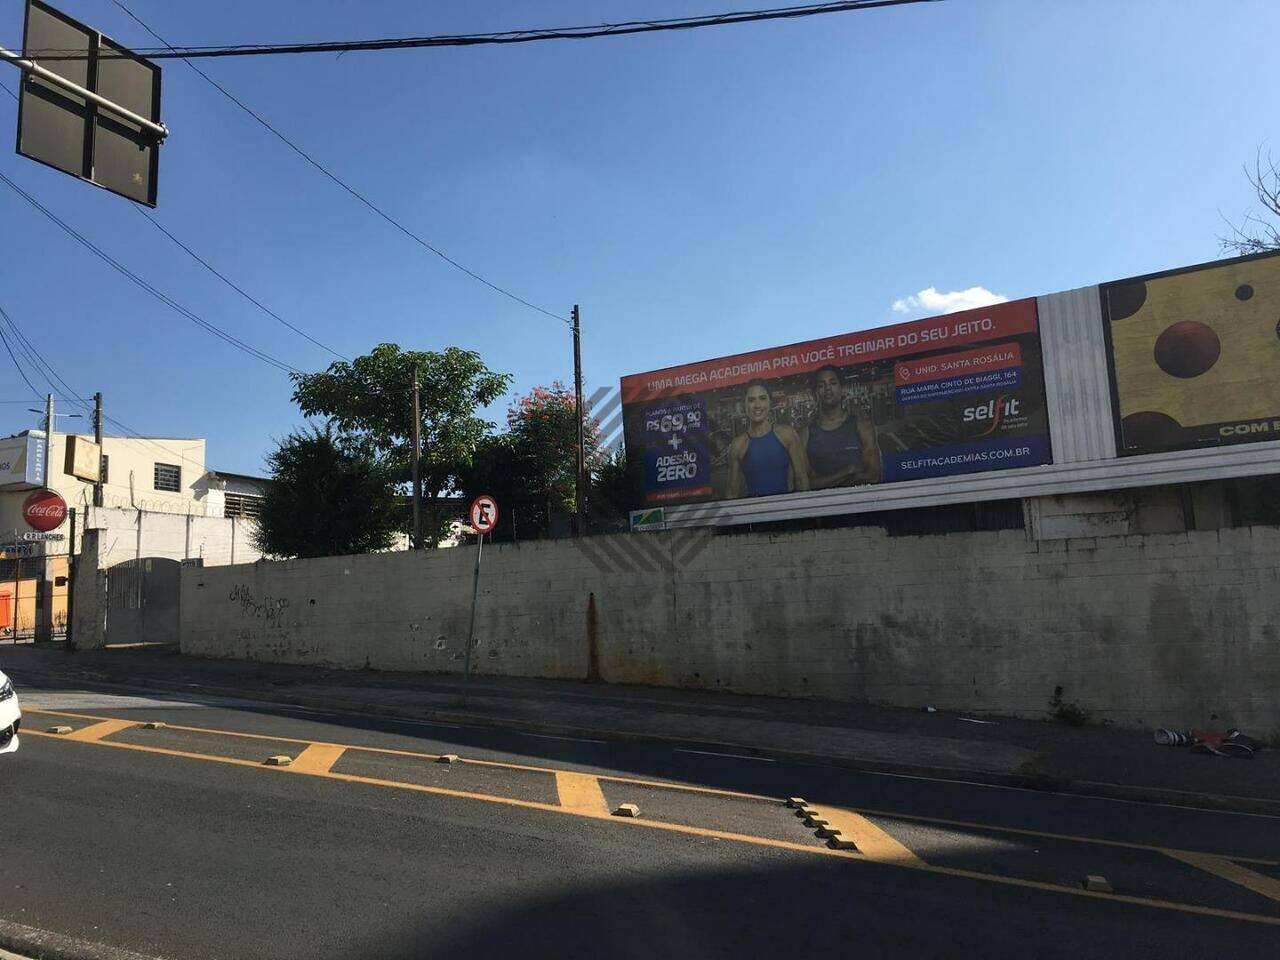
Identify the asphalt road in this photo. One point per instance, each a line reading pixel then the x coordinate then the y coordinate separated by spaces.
pixel 181 842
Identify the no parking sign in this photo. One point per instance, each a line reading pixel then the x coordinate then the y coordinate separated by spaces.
pixel 484 514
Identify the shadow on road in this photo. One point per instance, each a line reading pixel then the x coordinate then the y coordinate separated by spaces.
pixel 819 910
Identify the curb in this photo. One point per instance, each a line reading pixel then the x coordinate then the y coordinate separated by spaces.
pixel 1043 783
pixel 32 943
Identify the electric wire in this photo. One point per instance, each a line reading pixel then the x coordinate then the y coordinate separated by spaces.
pixel 69 394
pixel 485 39
pixel 148 287
pixel 339 181
pixel 238 289
pixel 34 392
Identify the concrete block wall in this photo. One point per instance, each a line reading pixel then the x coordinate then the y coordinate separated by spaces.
pixel 126 534
pixel 1174 629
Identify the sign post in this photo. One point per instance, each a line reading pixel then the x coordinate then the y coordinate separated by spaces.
pixel 484 517
pixel 44 511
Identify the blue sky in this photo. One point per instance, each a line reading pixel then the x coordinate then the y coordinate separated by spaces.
pixel 699 194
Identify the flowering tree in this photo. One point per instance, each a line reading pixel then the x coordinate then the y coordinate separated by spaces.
pixel 544 431
pixel 531 467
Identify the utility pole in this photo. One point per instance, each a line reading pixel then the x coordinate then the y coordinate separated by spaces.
pixel 417 464
pixel 580 485
pixel 97 438
pixel 44 617
pixel 48 438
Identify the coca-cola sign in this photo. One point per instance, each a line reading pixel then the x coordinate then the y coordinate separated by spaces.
pixel 44 510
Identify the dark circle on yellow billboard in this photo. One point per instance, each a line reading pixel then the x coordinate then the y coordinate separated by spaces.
pixel 1150 428
pixel 1187 349
pixel 1244 292
pixel 1126 299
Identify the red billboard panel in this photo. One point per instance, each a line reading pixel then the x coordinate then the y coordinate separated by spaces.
pixel 954 394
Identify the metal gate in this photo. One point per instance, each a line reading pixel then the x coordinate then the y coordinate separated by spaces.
pixel 22 602
pixel 142 601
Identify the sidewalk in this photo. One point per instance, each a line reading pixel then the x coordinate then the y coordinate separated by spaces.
pixel 1090 760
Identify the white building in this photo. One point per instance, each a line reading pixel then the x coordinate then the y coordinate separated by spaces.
pixel 155 474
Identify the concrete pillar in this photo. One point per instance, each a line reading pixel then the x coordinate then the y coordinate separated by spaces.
pixel 89 614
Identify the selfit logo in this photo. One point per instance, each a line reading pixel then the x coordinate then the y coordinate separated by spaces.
pixel 996 411
pixel 44 510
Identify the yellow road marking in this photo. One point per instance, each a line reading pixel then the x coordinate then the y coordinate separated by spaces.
pixel 317 758
pixel 581 792
pixel 1073 838
pixel 97 731
pixel 710 791
pixel 1222 867
pixel 873 843
pixel 504 765
pixel 811 849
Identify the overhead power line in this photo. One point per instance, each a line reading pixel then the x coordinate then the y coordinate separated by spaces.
pixel 149 288
pixel 34 392
pixel 33 356
pixel 506 37
pixel 67 392
pixel 432 248
pixel 240 290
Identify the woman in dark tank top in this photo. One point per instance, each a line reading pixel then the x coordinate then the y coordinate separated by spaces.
pixel 841 448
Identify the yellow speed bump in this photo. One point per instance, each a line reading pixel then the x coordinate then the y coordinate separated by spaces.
pixel 627 810
pixel 103 728
pixel 581 792
pixel 318 758
pixel 864 836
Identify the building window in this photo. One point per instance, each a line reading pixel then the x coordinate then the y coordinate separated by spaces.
pixel 168 477
pixel 244 505
pixel 103 461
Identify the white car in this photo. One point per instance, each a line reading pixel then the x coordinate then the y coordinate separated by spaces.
pixel 10 716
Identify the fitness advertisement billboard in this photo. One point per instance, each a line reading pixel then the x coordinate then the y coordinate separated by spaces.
pixel 961 393
pixel 1195 355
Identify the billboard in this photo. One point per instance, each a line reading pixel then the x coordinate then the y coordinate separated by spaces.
pixel 1194 355
pixel 22 460
pixel 83 458
pixel 961 393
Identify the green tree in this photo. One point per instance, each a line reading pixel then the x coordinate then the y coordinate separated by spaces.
pixel 611 493
pixel 497 469
pixel 327 499
pixel 368 400
pixel 531 467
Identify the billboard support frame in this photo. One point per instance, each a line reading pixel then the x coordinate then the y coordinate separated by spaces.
pixel 157 130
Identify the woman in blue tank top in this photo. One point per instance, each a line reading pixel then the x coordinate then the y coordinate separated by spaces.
pixel 768 458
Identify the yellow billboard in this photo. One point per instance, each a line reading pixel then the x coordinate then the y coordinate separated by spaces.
pixel 1195 355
